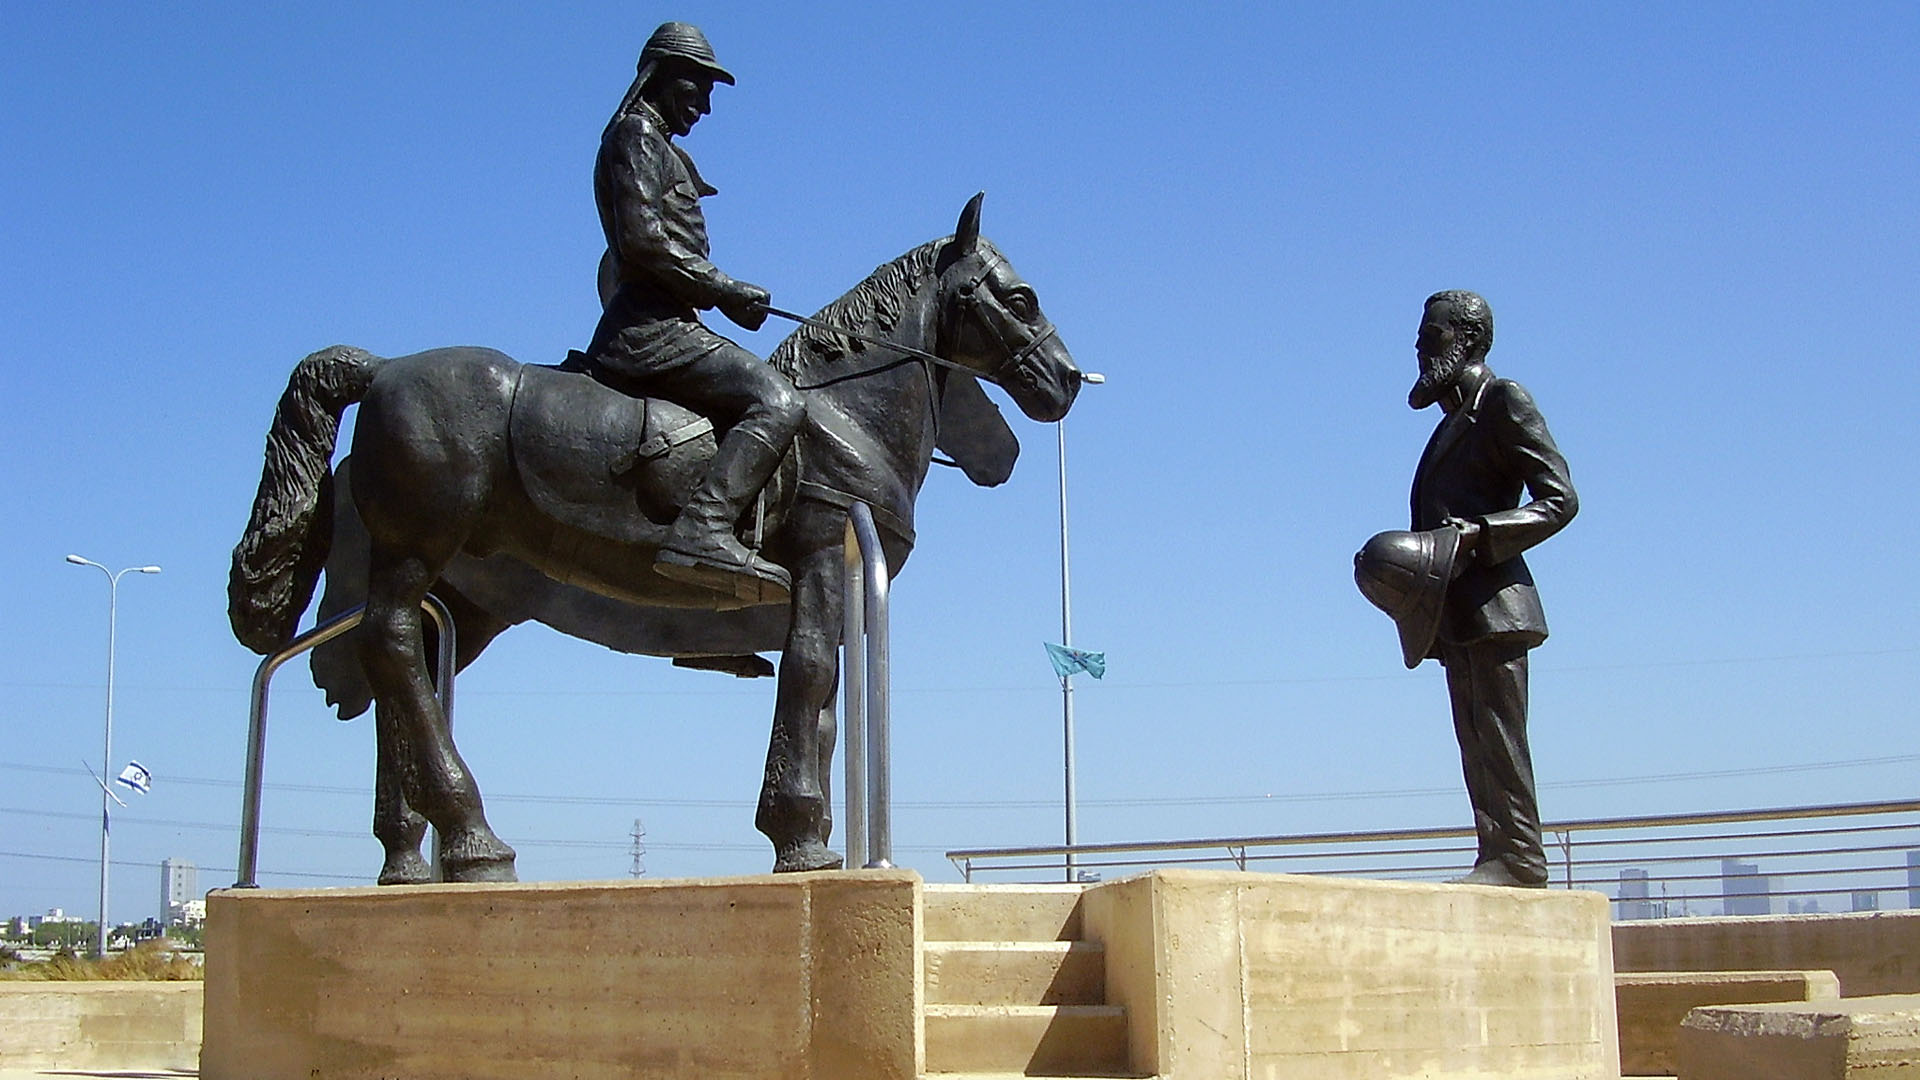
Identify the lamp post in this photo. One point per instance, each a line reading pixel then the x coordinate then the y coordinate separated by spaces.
pixel 1091 378
pixel 106 752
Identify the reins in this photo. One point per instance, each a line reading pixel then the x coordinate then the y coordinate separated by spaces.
pixel 871 340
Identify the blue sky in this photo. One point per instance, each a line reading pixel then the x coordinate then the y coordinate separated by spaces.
pixel 1697 228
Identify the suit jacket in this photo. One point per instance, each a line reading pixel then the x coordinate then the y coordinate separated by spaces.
pixel 1475 466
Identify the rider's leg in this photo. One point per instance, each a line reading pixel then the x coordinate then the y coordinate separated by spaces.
pixel 731 385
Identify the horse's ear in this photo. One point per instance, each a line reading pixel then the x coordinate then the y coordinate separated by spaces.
pixel 966 235
pixel 974 434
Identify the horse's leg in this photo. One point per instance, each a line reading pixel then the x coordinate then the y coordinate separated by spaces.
pixel 826 734
pixel 793 798
pixel 400 827
pixel 433 778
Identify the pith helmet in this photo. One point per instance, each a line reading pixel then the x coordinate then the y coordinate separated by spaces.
pixel 1405 574
pixel 685 42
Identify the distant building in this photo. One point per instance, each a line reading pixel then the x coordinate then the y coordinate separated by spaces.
pixel 1744 890
pixel 1913 879
pixel 1636 901
pixel 1809 906
pixel 179 883
pixel 1866 900
pixel 190 914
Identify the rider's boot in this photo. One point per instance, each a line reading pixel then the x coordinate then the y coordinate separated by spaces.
pixel 701 548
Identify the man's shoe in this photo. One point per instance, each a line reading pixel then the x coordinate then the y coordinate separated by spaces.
pixel 723 565
pixel 1495 872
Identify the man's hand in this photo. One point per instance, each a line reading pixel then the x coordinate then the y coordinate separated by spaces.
pixel 1469 538
pixel 745 304
pixel 1469 532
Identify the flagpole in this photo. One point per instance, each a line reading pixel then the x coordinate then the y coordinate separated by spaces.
pixel 1066 639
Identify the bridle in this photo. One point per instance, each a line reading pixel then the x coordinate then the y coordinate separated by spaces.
pixel 1016 359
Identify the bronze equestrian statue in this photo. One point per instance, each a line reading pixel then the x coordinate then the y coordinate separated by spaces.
pixel 463 455
pixel 1457 586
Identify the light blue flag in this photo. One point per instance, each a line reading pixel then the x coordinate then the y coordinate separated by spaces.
pixel 1067 661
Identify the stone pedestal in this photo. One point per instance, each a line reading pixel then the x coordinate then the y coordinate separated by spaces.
pixel 1279 977
pixel 808 976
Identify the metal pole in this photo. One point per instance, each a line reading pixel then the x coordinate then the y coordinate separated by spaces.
pixel 873 563
pixel 864 680
pixel 1066 639
pixel 853 680
pixel 106 751
pixel 106 756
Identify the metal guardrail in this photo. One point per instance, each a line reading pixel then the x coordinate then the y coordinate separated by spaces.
pixel 1843 849
pixel 864 681
pixel 257 718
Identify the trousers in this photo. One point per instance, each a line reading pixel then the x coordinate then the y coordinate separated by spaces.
pixel 1487 686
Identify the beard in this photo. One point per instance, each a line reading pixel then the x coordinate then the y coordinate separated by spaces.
pixel 1437 376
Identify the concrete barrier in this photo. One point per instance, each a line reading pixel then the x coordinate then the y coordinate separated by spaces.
pixel 1870 952
pixel 1235 975
pixel 796 977
pixel 100 1025
pixel 1652 1005
pixel 1868 1038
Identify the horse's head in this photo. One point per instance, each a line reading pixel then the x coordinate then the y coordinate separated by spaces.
pixel 991 322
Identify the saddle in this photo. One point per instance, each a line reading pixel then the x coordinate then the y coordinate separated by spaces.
pixel 616 466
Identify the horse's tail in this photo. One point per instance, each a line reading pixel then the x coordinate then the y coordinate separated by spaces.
pixel 278 560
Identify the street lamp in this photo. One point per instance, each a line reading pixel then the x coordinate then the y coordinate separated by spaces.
pixel 106 753
pixel 1092 378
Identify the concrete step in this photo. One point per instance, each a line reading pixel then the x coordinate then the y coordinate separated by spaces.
pixel 1002 912
pixel 1652 1004
pixel 1018 973
pixel 1032 1040
pixel 1865 1038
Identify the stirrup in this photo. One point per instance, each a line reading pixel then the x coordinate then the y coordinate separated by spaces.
pixel 755 581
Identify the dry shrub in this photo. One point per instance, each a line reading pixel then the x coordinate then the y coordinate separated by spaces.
pixel 150 961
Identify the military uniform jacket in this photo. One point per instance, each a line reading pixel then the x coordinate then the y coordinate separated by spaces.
pixel 1475 466
pixel 648 194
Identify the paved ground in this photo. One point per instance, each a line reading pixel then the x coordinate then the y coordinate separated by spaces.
pixel 102 1074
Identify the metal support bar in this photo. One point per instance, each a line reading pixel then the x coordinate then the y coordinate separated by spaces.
pixel 864 683
pixel 257 716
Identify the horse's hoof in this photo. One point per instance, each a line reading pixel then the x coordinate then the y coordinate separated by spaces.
pixel 809 855
pixel 408 869
pixel 482 858
pixel 481 870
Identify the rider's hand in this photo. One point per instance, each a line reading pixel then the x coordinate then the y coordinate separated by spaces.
pixel 745 304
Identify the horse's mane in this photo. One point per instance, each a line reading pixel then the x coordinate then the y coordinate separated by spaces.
pixel 872 307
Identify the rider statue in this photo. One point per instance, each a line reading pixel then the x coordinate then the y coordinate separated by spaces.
pixel 654 277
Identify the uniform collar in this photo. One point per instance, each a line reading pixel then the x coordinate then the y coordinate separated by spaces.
pixel 649 116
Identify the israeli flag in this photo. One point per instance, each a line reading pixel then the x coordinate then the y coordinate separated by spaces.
pixel 135 776
pixel 1067 661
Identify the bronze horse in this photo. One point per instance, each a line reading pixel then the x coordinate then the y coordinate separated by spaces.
pixel 466 460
